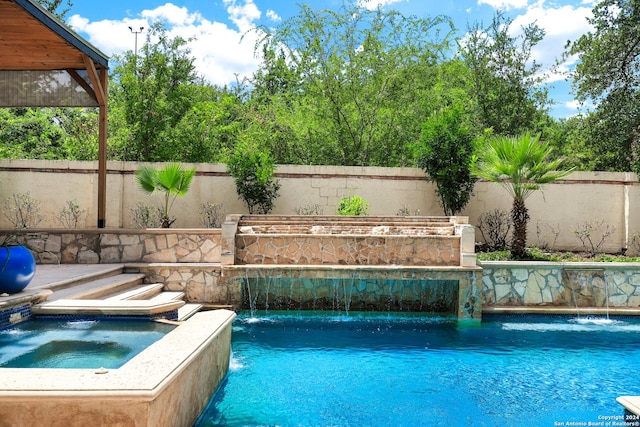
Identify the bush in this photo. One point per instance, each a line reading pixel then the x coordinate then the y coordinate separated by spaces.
pixel 211 214
pixel 146 216
pixel 587 234
pixel 404 211
pixel 309 210
pixel 253 170
pixel 446 153
pixel 23 210
pixel 71 214
pixel 494 228
pixel 353 206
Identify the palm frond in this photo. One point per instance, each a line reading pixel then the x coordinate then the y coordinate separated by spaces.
pixel 521 164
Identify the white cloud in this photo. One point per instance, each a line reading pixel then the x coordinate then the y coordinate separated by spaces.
pixel 243 15
pixel 219 55
pixel 561 24
pixel 573 105
pixel 171 14
pixel 505 4
pixel 272 15
pixel 374 4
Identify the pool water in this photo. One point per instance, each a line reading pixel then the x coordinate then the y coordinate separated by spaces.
pixel 77 344
pixel 312 369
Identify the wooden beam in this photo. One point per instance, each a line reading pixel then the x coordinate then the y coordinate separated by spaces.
pixel 95 80
pixel 82 82
pixel 99 82
pixel 102 153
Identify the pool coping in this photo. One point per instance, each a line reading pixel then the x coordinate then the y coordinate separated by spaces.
pixel 141 381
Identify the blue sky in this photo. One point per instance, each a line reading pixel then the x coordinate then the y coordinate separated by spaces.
pixel 218 26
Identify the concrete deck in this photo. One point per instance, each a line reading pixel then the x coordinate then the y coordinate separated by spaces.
pixel 50 276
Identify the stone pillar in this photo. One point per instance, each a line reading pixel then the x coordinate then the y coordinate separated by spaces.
pixel 467 235
pixel 228 243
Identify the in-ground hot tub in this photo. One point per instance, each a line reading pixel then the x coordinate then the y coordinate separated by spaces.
pixel 167 384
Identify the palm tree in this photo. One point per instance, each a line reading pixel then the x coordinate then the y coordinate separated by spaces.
pixel 522 165
pixel 172 180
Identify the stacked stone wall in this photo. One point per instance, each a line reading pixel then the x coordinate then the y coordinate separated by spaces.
pixel 570 285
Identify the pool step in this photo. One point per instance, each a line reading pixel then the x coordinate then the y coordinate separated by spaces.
pixel 115 294
pixel 167 296
pixel 99 288
pixel 188 310
pixel 138 292
pixel 94 307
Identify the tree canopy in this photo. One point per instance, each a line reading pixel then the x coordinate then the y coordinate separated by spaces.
pixel 608 75
pixel 352 86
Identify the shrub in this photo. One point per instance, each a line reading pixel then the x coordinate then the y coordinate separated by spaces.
pixel 494 227
pixel 22 210
pixel 309 210
pixel 404 211
pixel 71 214
pixel 353 206
pixel 587 234
pixel 446 153
pixel 253 170
pixel 146 216
pixel 211 214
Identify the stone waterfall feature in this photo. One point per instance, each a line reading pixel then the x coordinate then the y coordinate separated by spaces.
pixel 422 264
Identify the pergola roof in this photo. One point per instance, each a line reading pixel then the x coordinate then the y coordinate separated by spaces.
pixel 44 63
pixel 33 39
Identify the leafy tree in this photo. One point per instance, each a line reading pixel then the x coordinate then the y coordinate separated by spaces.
pixel 173 180
pixel 253 171
pixel 53 6
pixel 446 153
pixel 608 74
pixel 506 81
pixel 521 165
pixel 151 94
pixel 30 133
pixel 361 73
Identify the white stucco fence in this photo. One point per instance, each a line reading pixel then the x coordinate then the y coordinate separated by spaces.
pixel 609 198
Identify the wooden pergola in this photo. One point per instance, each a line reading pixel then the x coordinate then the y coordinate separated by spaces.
pixel 43 63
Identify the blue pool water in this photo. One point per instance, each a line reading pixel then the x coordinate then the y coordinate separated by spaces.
pixel 311 369
pixel 76 344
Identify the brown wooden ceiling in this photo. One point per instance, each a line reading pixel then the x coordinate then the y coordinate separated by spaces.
pixel 31 39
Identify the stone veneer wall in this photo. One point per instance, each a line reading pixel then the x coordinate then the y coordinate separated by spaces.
pixel 348 250
pixel 331 240
pixel 113 246
pixel 571 285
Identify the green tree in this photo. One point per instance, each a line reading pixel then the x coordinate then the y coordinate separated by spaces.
pixel 446 153
pixel 54 6
pixel 150 95
pixel 608 74
pixel 253 171
pixel 506 80
pixel 173 180
pixel 30 133
pixel 362 72
pixel 521 165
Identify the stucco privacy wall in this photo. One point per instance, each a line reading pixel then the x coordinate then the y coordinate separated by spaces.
pixel 583 197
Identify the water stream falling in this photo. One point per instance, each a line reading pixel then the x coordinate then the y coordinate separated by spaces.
pixel 585 280
pixel 282 291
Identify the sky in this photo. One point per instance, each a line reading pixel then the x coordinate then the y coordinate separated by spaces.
pixel 221 53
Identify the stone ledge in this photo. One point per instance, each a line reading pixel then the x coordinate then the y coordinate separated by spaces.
pixel 546 310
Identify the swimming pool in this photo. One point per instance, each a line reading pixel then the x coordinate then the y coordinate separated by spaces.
pixel 51 343
pixel 321 369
